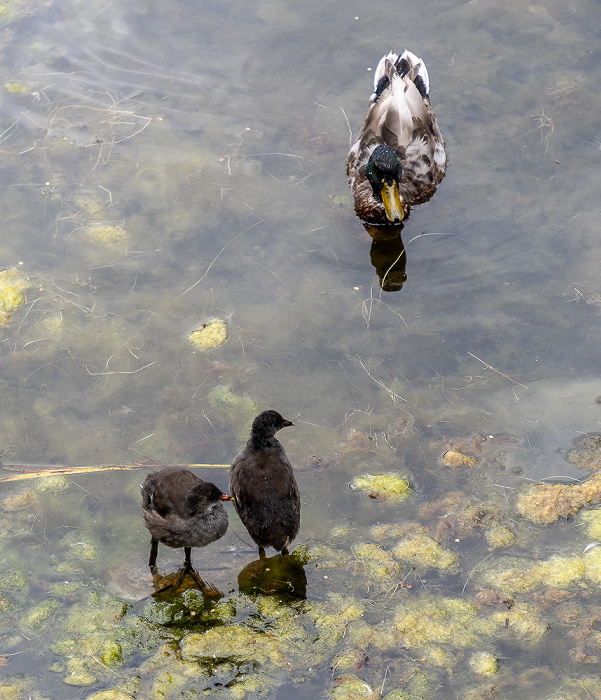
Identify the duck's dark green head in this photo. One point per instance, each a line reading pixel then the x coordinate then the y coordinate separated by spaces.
pixel 384 173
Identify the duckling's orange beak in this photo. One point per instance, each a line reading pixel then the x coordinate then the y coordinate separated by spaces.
pixel 287 423
pixel 225 497
pixel 392 202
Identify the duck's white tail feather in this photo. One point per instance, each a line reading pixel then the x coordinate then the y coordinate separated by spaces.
pixel 406 64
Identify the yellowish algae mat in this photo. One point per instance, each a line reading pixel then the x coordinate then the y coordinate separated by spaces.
pixel 13 285
pixel 210 335
pixel 391 486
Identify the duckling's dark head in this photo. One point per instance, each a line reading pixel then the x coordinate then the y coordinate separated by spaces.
pixel 266 424
pixel 384 174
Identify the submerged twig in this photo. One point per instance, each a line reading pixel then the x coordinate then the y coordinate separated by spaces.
pixel 396 398
pixel 218 254
pixel 496 370
pixel 30 472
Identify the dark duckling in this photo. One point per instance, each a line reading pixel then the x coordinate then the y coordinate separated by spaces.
pixel 182 510
pixel 262 482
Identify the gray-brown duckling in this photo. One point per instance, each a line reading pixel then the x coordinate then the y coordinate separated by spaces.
pixel 266 495
pixel 182 510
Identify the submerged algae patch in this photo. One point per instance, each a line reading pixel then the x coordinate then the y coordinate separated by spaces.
pixel 546 503
pixel 419 549
pixel 210 335
pixel 12 293
pixel 438 620
pixel 383 487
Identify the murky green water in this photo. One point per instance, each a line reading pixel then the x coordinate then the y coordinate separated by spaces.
pixel 164 164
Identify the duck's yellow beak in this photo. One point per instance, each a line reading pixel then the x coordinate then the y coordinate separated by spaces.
pixel 392 203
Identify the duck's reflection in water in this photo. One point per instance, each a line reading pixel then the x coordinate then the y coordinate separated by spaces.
pixel 388 256
pixel 182 580
pixel 283 574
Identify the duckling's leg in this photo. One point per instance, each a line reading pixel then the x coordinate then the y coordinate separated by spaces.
pixel 284 551
pixel 205 587
pixel 262 554
pixel 154 549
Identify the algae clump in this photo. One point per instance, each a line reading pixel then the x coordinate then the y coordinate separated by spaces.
pixel 483 663
pixel 352 688
pixel 591 520
pixel 107 234
pixel 376 562
pixel 500 536
pixel 545 503
pixel 457 460
pixel 210 335
pixel 383 487
pixel 419 549
pixel 12 293
pixel 437 620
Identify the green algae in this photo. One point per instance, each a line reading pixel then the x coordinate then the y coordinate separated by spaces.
pixel 375 562
pixel 79 673
pixel 591 521
pixel 210 335
pixel 11 580
pixel 18 501
pixel 500 536
pixel 111 695
pixel 351 687
pixel 12 293
pixel 438 620
pixel 15 87
pixel 51 483
pixel 419 549
pixel 39 614
pixel 383 487
pixel 514 575
pixel 483 663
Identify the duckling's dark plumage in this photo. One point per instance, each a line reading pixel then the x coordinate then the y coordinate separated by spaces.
pixel 399 153
pixel 182 510
pixel 263 485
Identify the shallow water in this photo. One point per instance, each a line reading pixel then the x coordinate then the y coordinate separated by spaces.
pixel 208 145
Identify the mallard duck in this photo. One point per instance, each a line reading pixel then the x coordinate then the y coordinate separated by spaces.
pixel 399 158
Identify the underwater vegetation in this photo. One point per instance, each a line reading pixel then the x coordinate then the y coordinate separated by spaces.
pixel 12 292
pixel 391 486
pixel 210 335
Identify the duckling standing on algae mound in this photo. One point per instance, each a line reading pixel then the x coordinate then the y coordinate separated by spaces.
pixel 182 510
pixel 262 482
